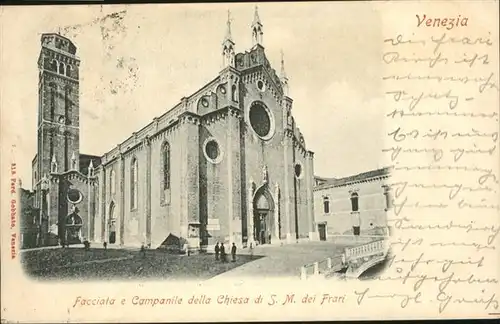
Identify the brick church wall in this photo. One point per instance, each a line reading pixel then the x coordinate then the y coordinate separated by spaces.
pixel 213 182
pixel 165 213
pixel 134 216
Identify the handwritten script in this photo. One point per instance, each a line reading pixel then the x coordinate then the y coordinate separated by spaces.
pixel 441 89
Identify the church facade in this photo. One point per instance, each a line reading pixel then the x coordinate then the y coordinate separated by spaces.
pixel 227 163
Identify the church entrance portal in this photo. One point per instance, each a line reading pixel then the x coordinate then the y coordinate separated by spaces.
pixel 263 218
pixel 74 225
pixel 261 227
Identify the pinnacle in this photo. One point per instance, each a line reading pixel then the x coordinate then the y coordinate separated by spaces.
pixel 283 72
pixel 228 36
pixel 256 18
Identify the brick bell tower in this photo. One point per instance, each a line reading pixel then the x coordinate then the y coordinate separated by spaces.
pixel 58 130
pixel 58 108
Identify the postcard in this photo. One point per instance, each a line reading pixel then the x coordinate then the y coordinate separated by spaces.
pixel 249 161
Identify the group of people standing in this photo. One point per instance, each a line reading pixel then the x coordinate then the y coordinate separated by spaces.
pixel 221 250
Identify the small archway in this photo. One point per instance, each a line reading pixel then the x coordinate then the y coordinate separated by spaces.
pixel 112 224
pixel 54 65
pixel 264 227
pixel 62 68
pixel 372 262
pixel 234 93
pixel 73 224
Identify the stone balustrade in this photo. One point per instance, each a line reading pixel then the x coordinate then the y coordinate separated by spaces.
pixel 368 249
pixel 330 265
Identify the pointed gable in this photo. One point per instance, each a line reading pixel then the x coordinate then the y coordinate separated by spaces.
pixel 255 59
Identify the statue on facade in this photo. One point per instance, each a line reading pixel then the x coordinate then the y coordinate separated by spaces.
pixel 251 189
pixel 264 174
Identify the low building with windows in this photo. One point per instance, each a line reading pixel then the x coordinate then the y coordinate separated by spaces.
pixel 227 163
pixel 352 206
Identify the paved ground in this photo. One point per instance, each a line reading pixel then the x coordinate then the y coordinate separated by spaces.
pixel 99 264
pixel 283 261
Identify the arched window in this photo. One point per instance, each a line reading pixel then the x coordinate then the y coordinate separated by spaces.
pixel 166 166
pixel 54 65
pixel 326 205
pixel 51 145
pixel 62 68
pixel 112 182
pixel 67 103
pixel 133 183
pixel 112 224
pixel 112 217
pixel 73 161
pixel 354 201
pixel 66 151
pixel 53 93
pixel 53 164
pixel 233 93
pixel 68 70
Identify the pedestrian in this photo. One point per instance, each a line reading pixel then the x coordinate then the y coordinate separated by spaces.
pixel 233 253
pixel 217 250
pixel 222 252
pixel 105 244
pixel 86 245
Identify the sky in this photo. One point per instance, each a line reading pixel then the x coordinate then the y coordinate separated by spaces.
pixel 139 65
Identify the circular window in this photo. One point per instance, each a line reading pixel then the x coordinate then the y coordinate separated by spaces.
pixel 74 196
pixel 260 85
pixel 298 170
pixel 261 120
pixel 212 151
pixel 222 89
pixel 204 102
